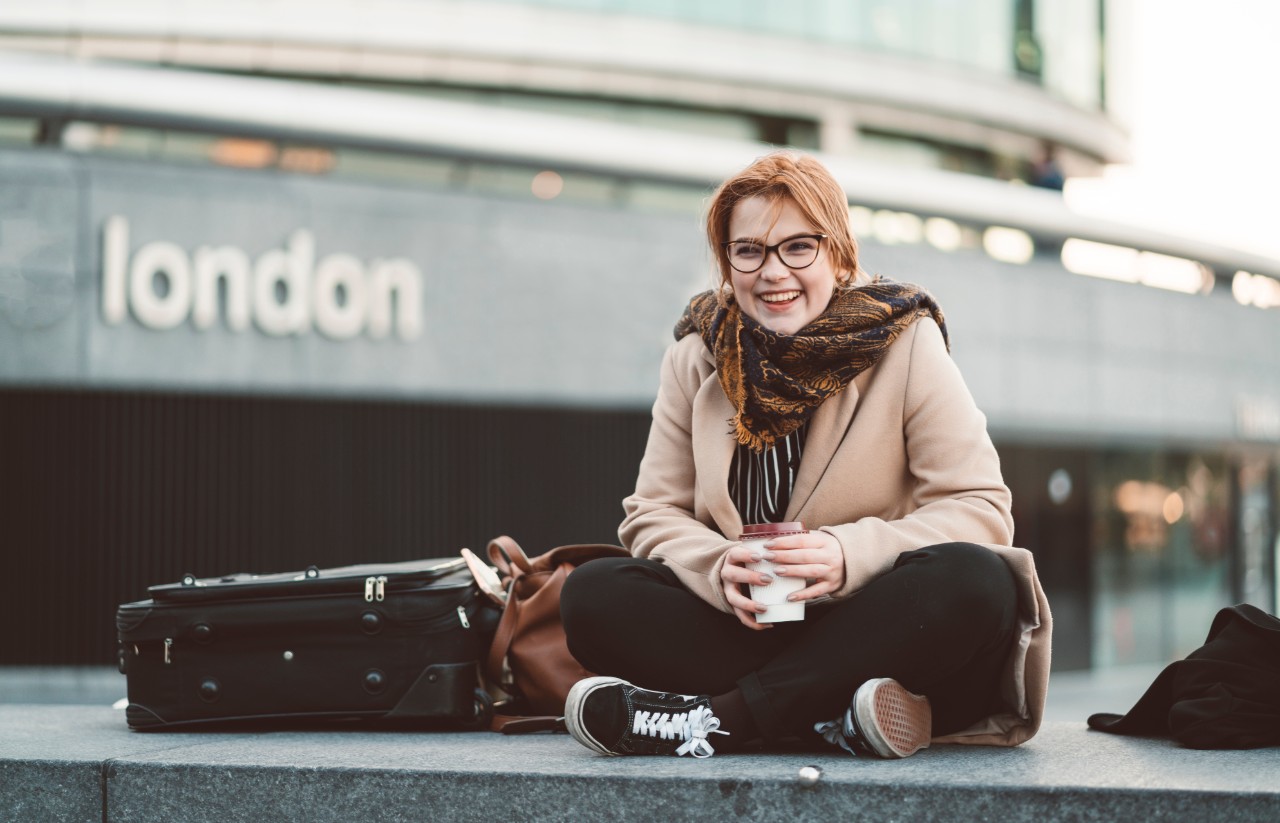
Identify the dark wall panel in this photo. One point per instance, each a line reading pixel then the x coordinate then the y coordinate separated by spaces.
pixel 103 494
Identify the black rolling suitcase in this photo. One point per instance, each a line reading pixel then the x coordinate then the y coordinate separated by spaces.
pixel 397 642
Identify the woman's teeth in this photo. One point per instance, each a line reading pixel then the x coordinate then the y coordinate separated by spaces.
pixel 780 297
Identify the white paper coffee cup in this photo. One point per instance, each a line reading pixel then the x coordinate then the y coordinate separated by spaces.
pixel 773 596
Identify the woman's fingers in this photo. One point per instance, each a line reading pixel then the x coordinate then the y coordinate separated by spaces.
pixel 741 574
pixel 805 570
pixel 744 607
pixel 813 540
pixel 749 621
pixel 809 592
pixel 740 601
pixel 741 555
pixel 735 571
pixel 792 557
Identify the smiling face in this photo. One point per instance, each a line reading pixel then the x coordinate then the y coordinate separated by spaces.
pixel 778 297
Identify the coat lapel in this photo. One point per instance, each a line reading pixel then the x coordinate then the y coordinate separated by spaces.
pixel 713 447
pixel 826 432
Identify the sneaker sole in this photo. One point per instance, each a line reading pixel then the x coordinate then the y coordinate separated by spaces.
pixel 896 722
pixel 573 711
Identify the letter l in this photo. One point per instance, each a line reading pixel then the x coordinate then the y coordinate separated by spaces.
pixel 115 264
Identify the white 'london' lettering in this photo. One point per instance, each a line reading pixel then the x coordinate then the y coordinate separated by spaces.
pixel 285 291
pixel 231 266
pixel 152 309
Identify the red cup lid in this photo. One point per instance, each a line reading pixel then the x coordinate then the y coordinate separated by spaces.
pixel 757 530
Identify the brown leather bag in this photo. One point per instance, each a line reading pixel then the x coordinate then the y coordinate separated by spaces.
pixel 530 658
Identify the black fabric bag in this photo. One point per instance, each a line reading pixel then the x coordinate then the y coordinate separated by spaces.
pixel 1225 695
pixel 399 642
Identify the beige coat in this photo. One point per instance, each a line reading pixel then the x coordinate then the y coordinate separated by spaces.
pixel 897 461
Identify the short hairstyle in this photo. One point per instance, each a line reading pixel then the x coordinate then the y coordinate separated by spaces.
pixel 808 183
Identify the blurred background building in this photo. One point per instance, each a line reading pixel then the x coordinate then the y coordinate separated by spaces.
pixel 289 282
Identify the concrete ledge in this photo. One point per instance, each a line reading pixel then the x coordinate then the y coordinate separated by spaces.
pixel 80 763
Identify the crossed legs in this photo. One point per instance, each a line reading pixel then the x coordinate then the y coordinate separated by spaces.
pixel 940 623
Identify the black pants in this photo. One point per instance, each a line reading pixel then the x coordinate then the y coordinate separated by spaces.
pixel 941 623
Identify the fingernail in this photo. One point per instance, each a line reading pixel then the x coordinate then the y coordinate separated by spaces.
pixel 756 557
pixel 769 556
pixel 793 598
pixel 765 579
pixel 781 571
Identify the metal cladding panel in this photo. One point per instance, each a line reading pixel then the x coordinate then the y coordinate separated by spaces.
pixel 41 326
pixel 513 299
pixel 517 301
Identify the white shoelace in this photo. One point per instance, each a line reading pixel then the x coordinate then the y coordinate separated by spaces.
pixel 833 732
pixel 692 727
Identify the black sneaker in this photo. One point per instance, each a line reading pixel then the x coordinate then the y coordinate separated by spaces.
pixel 883 720
pixel 611 716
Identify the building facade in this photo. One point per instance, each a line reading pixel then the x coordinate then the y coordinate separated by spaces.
pixel 343 283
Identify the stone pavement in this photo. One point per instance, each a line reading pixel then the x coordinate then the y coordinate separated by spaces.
pixel 80 763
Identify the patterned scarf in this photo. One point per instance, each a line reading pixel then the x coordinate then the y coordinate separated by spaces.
pixel 777 381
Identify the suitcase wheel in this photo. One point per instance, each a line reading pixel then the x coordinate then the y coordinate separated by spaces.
pixel 483 712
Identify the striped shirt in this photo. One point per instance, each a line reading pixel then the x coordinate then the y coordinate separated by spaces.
pixel 760 483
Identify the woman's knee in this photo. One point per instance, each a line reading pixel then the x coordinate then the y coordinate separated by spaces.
pixel 590 588
pixel 968 581
pixel 600 602
pixel 598 594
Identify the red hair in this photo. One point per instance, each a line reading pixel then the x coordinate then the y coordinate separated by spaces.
pixel 803 180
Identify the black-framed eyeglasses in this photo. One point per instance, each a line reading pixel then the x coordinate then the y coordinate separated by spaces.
pixel 797 252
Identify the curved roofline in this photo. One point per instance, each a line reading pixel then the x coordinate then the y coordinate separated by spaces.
pixel 186 100
pixel 589 52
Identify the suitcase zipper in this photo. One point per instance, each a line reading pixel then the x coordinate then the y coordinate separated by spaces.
pixel 462 615
pixel 375 588
pixel 168 649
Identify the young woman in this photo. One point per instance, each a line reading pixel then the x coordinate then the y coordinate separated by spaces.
pixel 804 390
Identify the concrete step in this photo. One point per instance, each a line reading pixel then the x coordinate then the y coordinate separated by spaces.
pixel 81 763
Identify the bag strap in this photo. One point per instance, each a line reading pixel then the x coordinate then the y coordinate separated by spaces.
pixel 515 724
pixel 506 554
pixel 503 635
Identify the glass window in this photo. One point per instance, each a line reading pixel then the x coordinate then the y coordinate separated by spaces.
pixel 1200 547
pixel 646 196
pixel 1275 535
pixel 113 139
pixel 432 172
pixel 541 184
pixel 1162 554
pixel 1070 39
pixel 1257 532
pixel 176 145
pixel 1058 45
pixel 20 131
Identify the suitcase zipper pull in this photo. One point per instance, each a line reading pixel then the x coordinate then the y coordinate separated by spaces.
pixel 382 588
pixel 368 589
pixel 462 615
pixel 168 649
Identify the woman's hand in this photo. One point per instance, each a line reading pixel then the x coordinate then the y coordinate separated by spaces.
pixel 815 556
pixel 733 574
